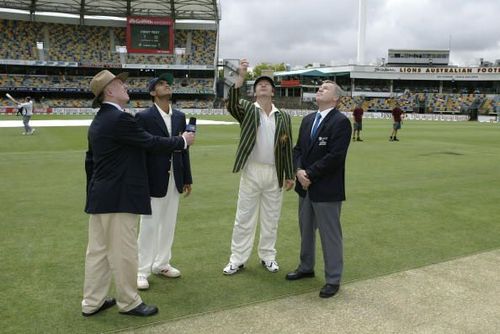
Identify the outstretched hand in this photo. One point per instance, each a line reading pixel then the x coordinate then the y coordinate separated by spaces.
pixel 242 72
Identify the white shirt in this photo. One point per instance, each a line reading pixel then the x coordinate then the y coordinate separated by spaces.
pixel 323 115
pixel 117 106
pixel 263 151
pixel 28 106
pixel 167 118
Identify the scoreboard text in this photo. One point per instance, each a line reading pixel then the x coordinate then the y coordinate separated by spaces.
pixel 150 35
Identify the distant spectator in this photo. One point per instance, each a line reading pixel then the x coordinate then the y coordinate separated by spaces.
pixel 397 115
pixel 357 115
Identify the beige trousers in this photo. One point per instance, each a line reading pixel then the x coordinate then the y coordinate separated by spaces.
pixel 111 251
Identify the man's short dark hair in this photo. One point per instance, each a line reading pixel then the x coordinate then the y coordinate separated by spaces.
pixel 263 77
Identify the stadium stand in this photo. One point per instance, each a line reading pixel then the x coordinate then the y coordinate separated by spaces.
pixel 53 62
pixel 433 103
pixel 84 50
pixel 18 39
pixel 93 44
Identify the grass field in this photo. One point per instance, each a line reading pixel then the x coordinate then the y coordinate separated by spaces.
pixel 429 198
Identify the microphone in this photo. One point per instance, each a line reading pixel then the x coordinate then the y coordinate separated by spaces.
pixel 191 126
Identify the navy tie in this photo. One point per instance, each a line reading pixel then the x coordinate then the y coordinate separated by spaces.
pixel 315 125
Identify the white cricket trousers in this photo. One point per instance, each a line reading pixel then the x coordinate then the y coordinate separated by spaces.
pixel 156 234
pixel 259 196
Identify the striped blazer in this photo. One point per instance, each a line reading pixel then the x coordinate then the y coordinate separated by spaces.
pixel 247 114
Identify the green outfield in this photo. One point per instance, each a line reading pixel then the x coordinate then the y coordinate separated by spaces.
pixel 431 197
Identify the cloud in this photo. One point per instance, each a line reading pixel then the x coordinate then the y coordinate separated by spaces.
pixel 300 32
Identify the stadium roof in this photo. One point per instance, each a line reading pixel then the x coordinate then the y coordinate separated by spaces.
pixel 176 9
pixel 315 72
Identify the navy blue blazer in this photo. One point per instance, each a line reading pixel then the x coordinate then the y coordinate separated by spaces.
pixel 115 162
pixel 323 157
pixel 158 163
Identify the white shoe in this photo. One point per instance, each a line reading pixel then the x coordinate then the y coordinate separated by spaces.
pixel 32 131
pixel 272 265
pixel 169 272
pixel 142 282
pixel 232 268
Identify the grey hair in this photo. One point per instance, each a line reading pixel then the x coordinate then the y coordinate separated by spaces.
pixel 339 92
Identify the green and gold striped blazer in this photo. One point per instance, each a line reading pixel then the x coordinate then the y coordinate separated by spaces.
pixel 247 114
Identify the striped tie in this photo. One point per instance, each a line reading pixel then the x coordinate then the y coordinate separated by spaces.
pixel 315 125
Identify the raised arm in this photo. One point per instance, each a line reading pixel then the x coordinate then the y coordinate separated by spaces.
pixel 237 106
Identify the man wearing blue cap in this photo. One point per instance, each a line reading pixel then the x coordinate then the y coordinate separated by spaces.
pixel 169 175
pixel 264 157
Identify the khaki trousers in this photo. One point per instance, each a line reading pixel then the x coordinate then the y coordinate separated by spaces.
pixel 111 251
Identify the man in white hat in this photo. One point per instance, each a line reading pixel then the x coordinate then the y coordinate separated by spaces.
pixel 117 193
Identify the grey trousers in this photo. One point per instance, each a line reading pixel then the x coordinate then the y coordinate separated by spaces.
pixel 26 122
pixel 324 216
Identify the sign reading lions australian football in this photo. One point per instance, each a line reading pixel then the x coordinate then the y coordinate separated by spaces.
pixel 150 34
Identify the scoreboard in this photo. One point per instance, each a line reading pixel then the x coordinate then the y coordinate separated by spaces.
pixel 147 34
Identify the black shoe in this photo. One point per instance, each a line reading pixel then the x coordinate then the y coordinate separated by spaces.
pixel 395 139
pixel 295 275
pixel 107 304
pixel 359 139
pixel 390 139
pixel 329 290
pixel 142 310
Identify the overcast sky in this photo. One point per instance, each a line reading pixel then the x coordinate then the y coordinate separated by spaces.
pixel 299 32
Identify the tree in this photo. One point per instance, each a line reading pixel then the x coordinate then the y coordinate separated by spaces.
pixel 257 70
pixel 249 76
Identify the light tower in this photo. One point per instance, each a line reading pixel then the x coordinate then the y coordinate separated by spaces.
pixel 361 31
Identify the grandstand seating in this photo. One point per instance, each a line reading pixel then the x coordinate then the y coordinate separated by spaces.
pixel 435 103
pixel 190 85
pixel 84 44
pixel 348 104
pixel 93 44
pixel 18 39
pixel 96 47
pixel 440 103
pixel 87 103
